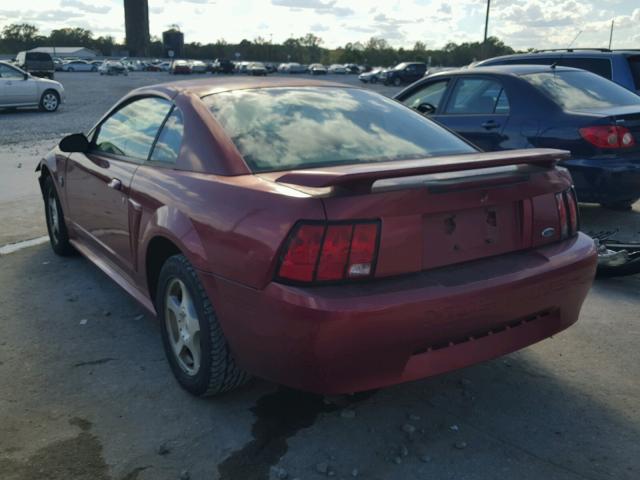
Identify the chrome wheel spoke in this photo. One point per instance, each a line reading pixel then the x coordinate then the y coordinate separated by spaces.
pixel 183 326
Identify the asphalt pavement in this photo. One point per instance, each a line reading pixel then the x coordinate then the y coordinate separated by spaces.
pixel 85 391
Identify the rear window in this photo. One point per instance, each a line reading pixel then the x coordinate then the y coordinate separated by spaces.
pixel 38 57
pixel 286 128
pixel 581 90
pixel 634 65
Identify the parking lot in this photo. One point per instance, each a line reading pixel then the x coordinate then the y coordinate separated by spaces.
pixel 86 393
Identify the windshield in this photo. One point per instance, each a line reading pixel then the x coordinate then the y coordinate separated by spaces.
pixel 400 66
pixel 287 128
pixel 579 90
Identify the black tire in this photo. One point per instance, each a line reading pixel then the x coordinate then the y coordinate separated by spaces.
pixel 49 101
pixel 218 372
pixel 58 237
pixel 622 205
pixel 629 268
pixel 373 80
pixel 397 81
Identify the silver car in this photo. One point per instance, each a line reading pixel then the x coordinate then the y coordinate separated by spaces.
pixel 20 89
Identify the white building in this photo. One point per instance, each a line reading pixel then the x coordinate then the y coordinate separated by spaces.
pixel 62 52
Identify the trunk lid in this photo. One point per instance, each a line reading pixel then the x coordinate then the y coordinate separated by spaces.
pixel 446 210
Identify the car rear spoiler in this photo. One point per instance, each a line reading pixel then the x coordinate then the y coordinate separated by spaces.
pixel 361 177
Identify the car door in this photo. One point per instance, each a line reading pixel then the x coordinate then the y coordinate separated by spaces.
pixel 477 108
pixel 98 182
pixel 15 89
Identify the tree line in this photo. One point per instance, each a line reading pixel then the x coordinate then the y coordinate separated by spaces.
pixel 307 49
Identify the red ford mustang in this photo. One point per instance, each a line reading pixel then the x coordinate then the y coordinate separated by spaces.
pixel 317 235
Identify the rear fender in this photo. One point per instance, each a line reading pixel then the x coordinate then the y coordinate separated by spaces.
pixel 173 225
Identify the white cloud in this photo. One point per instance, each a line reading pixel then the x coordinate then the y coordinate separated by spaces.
pixel 519 23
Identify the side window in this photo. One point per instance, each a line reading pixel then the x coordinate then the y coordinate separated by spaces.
pixel 599 66
pixel 167 147
pixel 10 73
pixel 431 94
pixel 130 131
pixel 478 96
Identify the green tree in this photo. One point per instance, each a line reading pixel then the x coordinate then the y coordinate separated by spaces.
pixel 18 36
pixel 71 37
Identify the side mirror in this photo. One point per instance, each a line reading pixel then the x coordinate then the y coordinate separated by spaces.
pixel 76 142
pixel 426 108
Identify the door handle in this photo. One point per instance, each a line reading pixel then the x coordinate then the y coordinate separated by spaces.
pixel 115 184
pixel 490 124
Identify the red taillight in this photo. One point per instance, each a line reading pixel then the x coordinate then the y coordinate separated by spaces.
pixel 572 206
pixel 301 256
pixel 567 213
pixel 608 136
pixel 562 215
pixel 329 252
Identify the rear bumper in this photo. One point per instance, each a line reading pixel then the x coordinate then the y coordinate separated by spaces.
pixel 340 339
pixel 605 180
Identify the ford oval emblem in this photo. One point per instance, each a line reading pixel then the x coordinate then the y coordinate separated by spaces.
pixel 548 232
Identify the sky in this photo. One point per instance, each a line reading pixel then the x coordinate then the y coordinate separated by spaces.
pixel 519 23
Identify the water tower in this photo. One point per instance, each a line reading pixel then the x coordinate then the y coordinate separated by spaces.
pixel 136 21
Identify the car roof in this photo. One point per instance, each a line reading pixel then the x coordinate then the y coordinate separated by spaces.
pixel 515 70
pixel 566 53
pixel 209 86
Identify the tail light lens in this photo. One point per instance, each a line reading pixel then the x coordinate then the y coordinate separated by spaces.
pixel 608 136
pixel 567 213
pixel 330 252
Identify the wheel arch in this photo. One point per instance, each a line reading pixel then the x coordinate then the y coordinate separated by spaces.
pixel 168 233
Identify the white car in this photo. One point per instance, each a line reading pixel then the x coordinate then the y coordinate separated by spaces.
pixel 20 89
pixel 198 66
pixel 79 66
pixel 336 68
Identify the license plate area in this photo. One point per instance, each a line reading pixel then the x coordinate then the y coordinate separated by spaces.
pixel 464 235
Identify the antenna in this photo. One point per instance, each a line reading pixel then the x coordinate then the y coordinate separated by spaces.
pixel 575 38
pixel 611 33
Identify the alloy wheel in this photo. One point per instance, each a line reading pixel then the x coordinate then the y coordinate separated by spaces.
pixel 183 326
pixel 50 101
pixel 54 219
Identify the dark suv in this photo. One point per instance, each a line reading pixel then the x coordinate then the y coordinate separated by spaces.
pixel 620 66
pixel 39 64
pixel 404 73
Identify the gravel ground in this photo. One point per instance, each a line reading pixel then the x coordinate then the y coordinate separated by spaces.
pixel 85 391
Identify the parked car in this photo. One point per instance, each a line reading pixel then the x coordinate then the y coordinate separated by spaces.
pixel 180 66
pixel 21 89
pixel 317 69
pixel 352 68
pixel 620 66
pixel 271 67
pixel 198 66
pixel 57 64
pixel 524 106
pixel 337 69
pixel 312 215
pixel 241 67
pixel 79 66
pixel 223 66
pixel 154 67
pixel 39 64
pixel 294 67
pixel 403 73
pixel 97 63
pixel 257 69
pixel 372 76
pixel 113 67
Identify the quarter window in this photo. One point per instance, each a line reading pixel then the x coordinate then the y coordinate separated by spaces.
pixel 167 147
pixel 478 96
pixel 131 130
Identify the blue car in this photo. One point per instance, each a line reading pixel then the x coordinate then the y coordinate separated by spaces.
pixel 523 106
